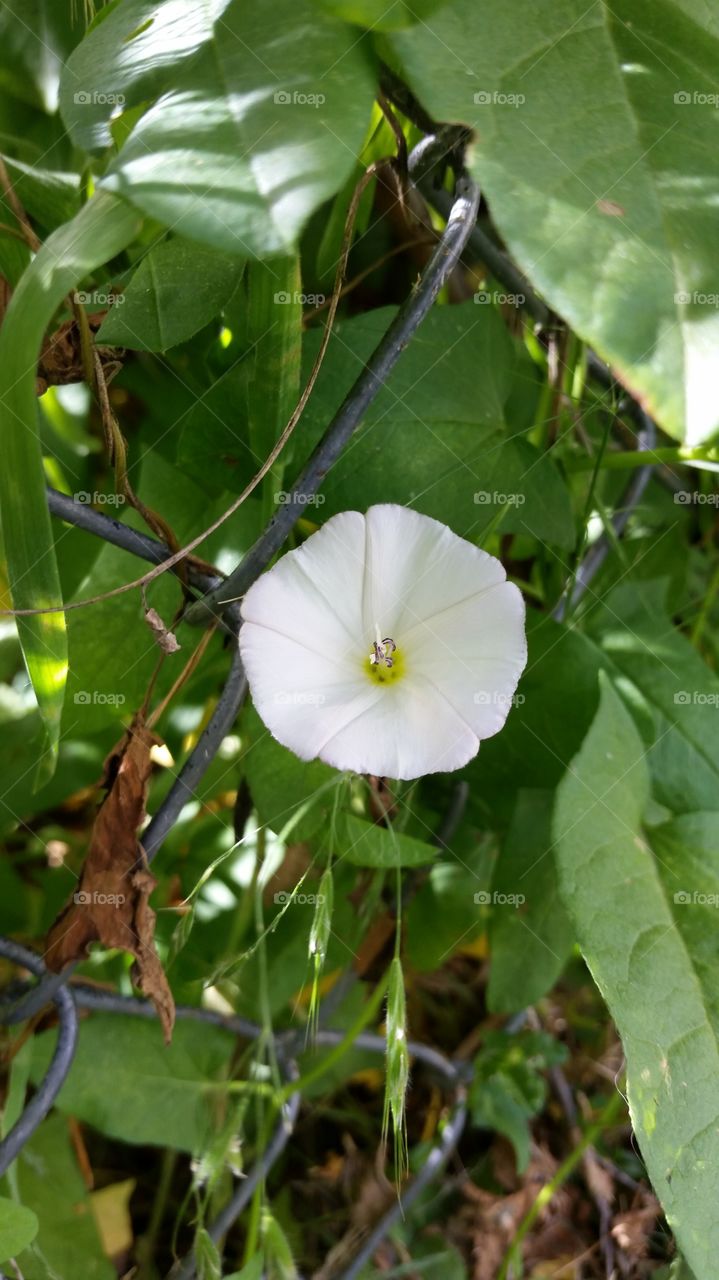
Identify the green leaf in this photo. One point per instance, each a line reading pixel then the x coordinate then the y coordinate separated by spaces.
pixel 377 15
pixel 130 55
pixel 678 691
pixel 252 1271
pixel 176 290
pixel 50 198
pixel 282 786
pixel 273 340
pixel 643 961
pixel 432 436
pixel 35 40
pixel 112 650
pixel 101 229
pixel 508 1088
pixel 368 845
pixel 443 914
pixel 540 736
pixel 686 851
pixel 48 1177
pixel 608 209
pixel 18 1228
pixel 256 133
pixel 125 1082
pixel 207 1256
pixel 529 942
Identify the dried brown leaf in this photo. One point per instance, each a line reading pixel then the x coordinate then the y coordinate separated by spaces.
pixel 111 903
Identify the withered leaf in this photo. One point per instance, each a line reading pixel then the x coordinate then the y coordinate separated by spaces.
pixel 61 356
pixel 111 902
pixel 166 639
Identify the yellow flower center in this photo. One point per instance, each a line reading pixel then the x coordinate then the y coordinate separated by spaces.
pixel 385 663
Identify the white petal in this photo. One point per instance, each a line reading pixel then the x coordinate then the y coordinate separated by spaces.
pixel 410 730
pixel 417 567
pixel 314 594
pixel 474 653
pixel 303 697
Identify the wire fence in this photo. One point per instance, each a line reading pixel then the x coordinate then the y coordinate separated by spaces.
pixel 216 600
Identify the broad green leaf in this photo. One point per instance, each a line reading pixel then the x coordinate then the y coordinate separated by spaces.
pixel 638 944
pixel 257 131
pixel 686 849
pixel 130 55
pixel 593 132
pixel 367 845
pixel 176 290
pixel 284 788
pixel 432 436
pixel 102 228
pixel 678 690
pixel 127 1083
pixel 530 933
pixel 48 1178
pixel 444 914
pixel 252 137
pixel 379 15
pixel 454 377
pixel 18 1228
pixel 555 704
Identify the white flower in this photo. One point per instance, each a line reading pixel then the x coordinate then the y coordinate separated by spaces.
pixel 385 644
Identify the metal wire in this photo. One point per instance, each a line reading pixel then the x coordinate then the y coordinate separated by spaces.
pixel 54 1077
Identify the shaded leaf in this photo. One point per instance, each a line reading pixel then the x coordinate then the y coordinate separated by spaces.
pixel 125 1082
pixel 175 291
pixel 647 970
pixel 605 199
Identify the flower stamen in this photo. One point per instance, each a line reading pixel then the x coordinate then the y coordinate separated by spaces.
pixel 382 651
